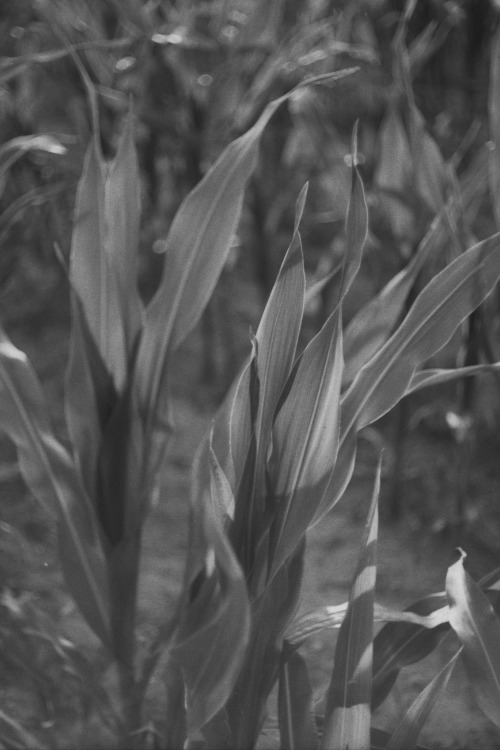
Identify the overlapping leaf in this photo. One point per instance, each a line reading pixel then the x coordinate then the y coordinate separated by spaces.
pixel 348 712
pixel 90 274
pixel 295 705
pixel 214 625
pixel 197 247
pixel 51 475
pixel 473 619
pixel 407 732
pixel 494 123
pixel 436 313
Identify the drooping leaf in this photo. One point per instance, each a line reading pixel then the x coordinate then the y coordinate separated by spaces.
pixel 332 616
pixel 51 475
pixel 436 313
pixel 473 619
pixel 407 732
pixel 348 713
pixel 425 378
pixel 295 705
pixel 400 644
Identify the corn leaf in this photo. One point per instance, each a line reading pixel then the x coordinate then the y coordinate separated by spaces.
pixel 89 396
pixel 407 732
pixel 372 325
pixel 348 714
pixel 356 226
pixel 332 616
pixel 51 475
pixel 122 216
pixel 436 313
pixel 305 439
pixel 278 334
pixel 399 645
pixel 197 247
pixel 494 123
pixel 473 619
pixel 425 378
pixel 90 274
pixel 271 612
pixel 214 626
pixel 295 705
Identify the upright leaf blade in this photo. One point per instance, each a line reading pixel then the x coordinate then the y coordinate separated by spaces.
pixel 494 123
pixel 473 619
pixel 295 704
pixel 90 274
pixel 305 439
pixel 122 220
pixel 214 626
pixel 348 714
pixel 407 732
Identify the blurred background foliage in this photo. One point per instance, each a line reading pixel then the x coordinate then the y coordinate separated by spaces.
pixel 198 73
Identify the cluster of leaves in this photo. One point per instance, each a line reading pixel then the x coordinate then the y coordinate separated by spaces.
pixel 278 457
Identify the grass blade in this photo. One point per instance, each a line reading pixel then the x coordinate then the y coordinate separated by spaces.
pixel 332 616
pixel 214 627
pixel 425 378
pixel 305 439
pixel 407 732
pixel 89 396
pixel 89 268
pixel 197 247
pixel 348 713
pixel 473 619
pixel 436 313
pixel 494 123
pixel 51 475
pixel 372 325
pixel 122 211
pixel 295 705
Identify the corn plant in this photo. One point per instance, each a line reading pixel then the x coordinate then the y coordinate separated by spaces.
pixel 278 457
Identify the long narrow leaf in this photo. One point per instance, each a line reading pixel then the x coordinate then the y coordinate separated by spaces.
pixel 295 705
pixel 439 309
pixel 122 215
pixel 494 123
pixel 332 616
pixel 51 475
pixel 197 247
pixel 348 713
pixel 214 625
pixel 407 732
pixel 473 619
pixel 305 438
pixel 425 378
pixel 90 274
